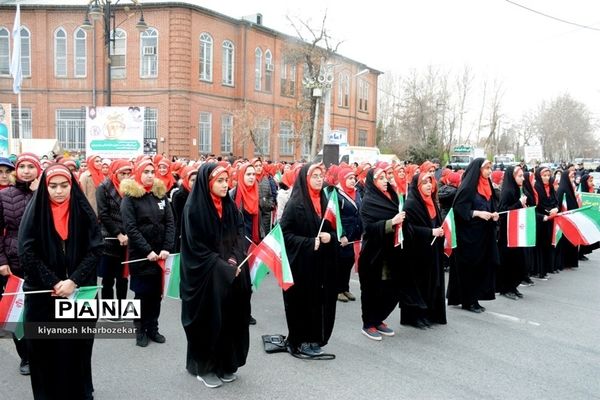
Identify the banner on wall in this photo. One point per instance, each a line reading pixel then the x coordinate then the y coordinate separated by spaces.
pixel 114 132
pixel 5 128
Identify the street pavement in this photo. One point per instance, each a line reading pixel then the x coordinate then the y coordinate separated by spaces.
pixel 544 346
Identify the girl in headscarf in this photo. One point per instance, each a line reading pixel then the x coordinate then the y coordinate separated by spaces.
pixel 13 202
pixel 164 173
pixel 424 224
pixel 587 186
pixel 91 179
pixel 529 252
pixel 349 202
pixel 285 190
pixel 380 261
pixel 568 253
pixel 400 179
pixel 60 245
pixel 150 228
pixel 106 167
pixel 310 302
pixel 215 293
pixel 476 251
pixel 547 207
pixel 246 199
pixel 188 178
pixel 108 200
pixel 6 169
pixel 513 265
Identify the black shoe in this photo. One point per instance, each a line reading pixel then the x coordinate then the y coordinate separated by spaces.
pixel 141 339
pixel 24 368
pixel 476 308
pixel 316 348
pixel 252 321
pixel 482 308
pixel 157 337
pixel 518 294
pixel 419 324
pixel 425 322
pixel 306 350
pixel 583 258
pixel 510 295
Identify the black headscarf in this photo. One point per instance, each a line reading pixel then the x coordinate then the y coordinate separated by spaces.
pixel 545 202
pixel 41 249
pixel 416 210
pixel 511 191
pixel 468 189
pixel 585 187
pixel 565 189
pixel 376 206
pixel 528 190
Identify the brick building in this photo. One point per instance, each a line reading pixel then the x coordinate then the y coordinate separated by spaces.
pixel 201 75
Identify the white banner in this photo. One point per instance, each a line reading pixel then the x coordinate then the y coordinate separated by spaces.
pixel 114 132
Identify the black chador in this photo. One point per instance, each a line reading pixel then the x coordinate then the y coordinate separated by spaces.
pixel 568 255
pixel 546 203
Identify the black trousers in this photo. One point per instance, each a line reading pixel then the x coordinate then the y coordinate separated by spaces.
pixel 149 294
pixel 344 271
pixel 113 273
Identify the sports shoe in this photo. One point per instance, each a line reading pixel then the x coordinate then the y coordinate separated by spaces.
pixel 316 348
pixel 342 297
pixel 141 339
pixel 541 277
pixel 372 333
pixel 252 321
pixel 24 368
pixel 383 329
pixel 228 377
pixel 210 380
pixel 157 337
pixel 306 350
pixel 350 296
pixel 510 295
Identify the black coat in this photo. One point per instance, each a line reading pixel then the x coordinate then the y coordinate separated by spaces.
pixel 108 203
pixel 422 257
pixel 178 202
pixel 149 224
pixel 446 195
pixel 546 202
pixel 310 303
pixel 476 249
pixel 351 223
pixel 215 304
pixel 13 201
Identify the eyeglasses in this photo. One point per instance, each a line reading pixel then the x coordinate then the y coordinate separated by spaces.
pixel 316 177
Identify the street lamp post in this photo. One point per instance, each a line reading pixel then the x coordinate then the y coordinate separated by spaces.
pixel 105 10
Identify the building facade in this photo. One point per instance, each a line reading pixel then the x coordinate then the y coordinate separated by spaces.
pixel 210 84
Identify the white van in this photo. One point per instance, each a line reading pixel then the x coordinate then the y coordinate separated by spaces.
pixel 355 154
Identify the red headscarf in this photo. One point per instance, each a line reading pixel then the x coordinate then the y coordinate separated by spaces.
pixel 378 171
pixel 167 178
pixel 29 157
pixel 218 201
pixel 454 179
pixel 343 175
pixel 253 162
pixel 427 199
pixel 483 186
pixel 95 173
pixel 289 177
pixel 331 176
pixel 315 195
pixel 497 177
pixel 60 211
pixel 401 183
pixel 186 173
pixel 444 178
pixel 247 196
pixel 139 169
pixel 116 167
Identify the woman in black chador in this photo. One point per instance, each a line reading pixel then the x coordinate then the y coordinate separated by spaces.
pixel 473 277
pixel 215 292
pixel 310 302
pixel 547 208
pixel 422 226
pixel 513 265
pixel 568 255
pixel 60 245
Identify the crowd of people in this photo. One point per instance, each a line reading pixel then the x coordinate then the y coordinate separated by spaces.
pixel 65 223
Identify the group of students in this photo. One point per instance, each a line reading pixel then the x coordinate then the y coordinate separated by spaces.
pixel 57 236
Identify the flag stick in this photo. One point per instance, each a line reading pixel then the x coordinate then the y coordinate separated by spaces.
pixel 507 211
pixel 321 227
pixel 111 238
pixel 354 241
pixel 142 259
pixel 245 259
pixel 431 244
pixel 29 292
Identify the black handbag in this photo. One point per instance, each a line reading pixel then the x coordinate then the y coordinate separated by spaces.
pixel 275 343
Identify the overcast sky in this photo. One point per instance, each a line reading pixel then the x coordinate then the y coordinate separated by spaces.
pixel 534 56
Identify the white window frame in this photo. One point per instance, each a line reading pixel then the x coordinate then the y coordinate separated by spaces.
pixel 4 50
pixel 71 128
pixel 258 69
pixel 206 57
pixel 226 133
pixel 286 140
pixel 26 122
pixel 26 55
pixel 120 35
pixel 268 74
pixel 205 128
pixel 228 63
pixel 344 90
pixel 149 61
pixel 79 58
pixel 60 60
pixel 359 139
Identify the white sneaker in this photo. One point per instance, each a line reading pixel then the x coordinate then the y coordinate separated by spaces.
pixel 210 380
pixel 228 377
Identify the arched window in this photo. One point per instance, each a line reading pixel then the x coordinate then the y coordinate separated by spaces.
pixel 343 90
pixel 228 62
pixel 206 57
pixel 118 54
pixel 258 69
pixel 60 53
pixel 149 53
pixel 269 68
pixel 4 51
pixel 25 52
pixel 80 53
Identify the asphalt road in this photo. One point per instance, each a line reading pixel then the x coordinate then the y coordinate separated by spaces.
pixel 544 346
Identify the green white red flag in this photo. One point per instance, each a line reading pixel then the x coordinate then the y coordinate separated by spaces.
pixel 12 306
pixel 171 275
pixel 270 255
pixel 520 227
pixel 332 213
pixel 356 247
pixel 581 226
pixel 556 233
pixel 449 233
pixel 84 293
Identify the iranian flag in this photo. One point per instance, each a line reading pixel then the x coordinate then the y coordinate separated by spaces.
pixel 357 247
pixel 171 275
pixel 270 255
pixel 564 206
pixel 581 226
pixel 520 227
pixel 556 233
pixel 84 293
pixel 449 233
pixel 398 235
pixel 12 306
pixel 332 213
